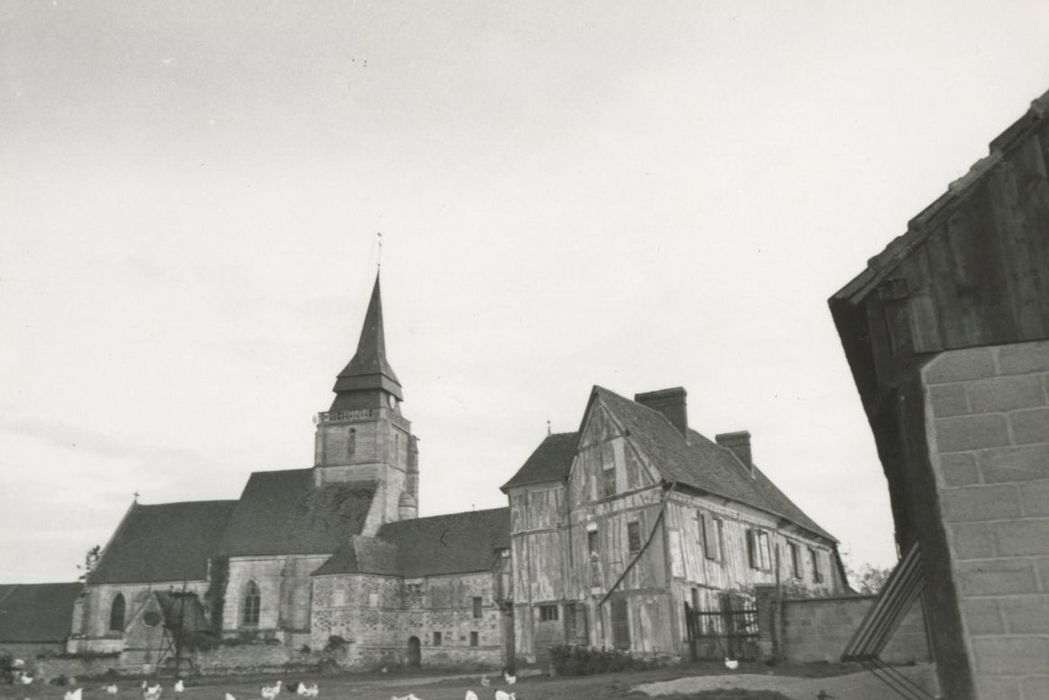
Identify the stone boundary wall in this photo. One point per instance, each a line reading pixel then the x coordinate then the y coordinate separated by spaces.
pixel 805 630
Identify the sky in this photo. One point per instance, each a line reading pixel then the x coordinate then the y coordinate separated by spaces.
pixel 637 195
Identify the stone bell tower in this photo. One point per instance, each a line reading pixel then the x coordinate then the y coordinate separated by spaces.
pixel 363 438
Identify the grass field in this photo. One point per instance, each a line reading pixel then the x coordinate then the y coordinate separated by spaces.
pixel 435 686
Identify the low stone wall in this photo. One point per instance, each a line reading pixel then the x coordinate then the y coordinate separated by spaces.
pixel 49 668
pixel 244 658
pixel 818 629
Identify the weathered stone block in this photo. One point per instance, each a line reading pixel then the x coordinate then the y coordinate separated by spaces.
pixel 1022 537
pixel 1021 463
pixel 959 469
pixel 982 616
pixel 1011 655
pixel 998 688
pixel 981 503
pixel 1005 394
pixel 1034 498
pixel 971 433
pixel 972 541
pixel 1024 358
pixel 996 577
pixel 948 400
pixel 959 365
pixel 1037 686
pixel 1030 426
pixel 1027 614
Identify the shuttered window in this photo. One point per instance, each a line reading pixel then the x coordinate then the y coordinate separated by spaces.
pixel 633 536
pixel 710 534
pixel 795 559
pixel 548 613
pixel 817 572
pixel 608 482
pixel 758 552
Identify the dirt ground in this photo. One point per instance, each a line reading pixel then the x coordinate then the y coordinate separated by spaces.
pixel 709 681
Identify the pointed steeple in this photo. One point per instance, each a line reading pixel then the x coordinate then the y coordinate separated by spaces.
pixel 369 369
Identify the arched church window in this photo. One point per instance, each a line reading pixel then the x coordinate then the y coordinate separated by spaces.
pixel 116 614
pixel 351 442
pixel 252 604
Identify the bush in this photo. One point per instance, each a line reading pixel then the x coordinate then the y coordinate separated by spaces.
pixel 570 660
pixel 335 643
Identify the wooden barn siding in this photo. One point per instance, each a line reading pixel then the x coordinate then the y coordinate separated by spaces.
pixel 981 276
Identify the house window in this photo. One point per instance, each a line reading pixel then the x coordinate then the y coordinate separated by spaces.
pixel 252 604
pixel 437 639
pixel 592 545
pixel 351 442
pixel 795 559
pixel 710 532
pixel 477 608
pixel 474 640
pixel 758 552
pixel 547 613
pixel 633 536
pixel 817 573
pixel 608 482
pixel 116 614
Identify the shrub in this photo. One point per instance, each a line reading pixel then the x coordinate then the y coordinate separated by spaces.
pixel 571 660
pixel 335 643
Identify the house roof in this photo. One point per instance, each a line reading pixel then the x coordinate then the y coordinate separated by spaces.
pixel 37 612
pixel 456 543
pixel 281 512
pixel 551 461
pixel 362 555
pixel 369 368
pixel 163 542
pixel 701 463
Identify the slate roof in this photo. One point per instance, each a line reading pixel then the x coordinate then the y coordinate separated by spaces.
pixel 369 368
pixel 457 543
pixel 163 542
pixel 551 461
pixel 362 555
pixel 702 463
pixel 37 612
pixel 280 512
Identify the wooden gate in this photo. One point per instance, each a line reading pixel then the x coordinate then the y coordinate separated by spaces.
pixel 731 632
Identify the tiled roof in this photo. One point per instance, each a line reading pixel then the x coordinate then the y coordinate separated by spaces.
pixel 362 555
pixel 163 542
pixel 36 612
pixel 701 463
pixel 280 512
pixel 551 461
pixel 457 543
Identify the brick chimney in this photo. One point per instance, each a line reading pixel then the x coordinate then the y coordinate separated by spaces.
pixel 739 443
pixel 669 402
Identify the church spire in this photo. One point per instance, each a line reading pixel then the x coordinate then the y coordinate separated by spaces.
pixel 369 369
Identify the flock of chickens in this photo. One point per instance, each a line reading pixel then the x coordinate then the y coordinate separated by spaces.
pixel 266 692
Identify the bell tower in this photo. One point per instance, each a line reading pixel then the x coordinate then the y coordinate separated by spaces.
pixel 363 438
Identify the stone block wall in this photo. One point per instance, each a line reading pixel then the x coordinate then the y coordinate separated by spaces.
pixel 284 584
pixel 987 416
pixel 818 629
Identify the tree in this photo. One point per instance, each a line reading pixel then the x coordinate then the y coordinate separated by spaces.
pixel 90 562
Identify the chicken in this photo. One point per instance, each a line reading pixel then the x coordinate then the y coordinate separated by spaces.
pixel 731 664
pixel 179 686
pixel 229 697
pixel 485 682
pixel 510 680
pixel 111 688
pixel 73 694
pixel 270 692
pixel 471 695
pixel 312 691
pixel 151 692
pixel 25 679
pixel 503 695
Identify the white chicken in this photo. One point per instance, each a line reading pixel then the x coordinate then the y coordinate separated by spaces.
pixel 470 695
pixel 503 695
pixel 312 691
pixel 25 679
pixel 270 692
pixel 731 664
pixel 485 682
pixel 111 689
pixel 73 694
pixel 229 696
pixel 510 680
pixel 179 686
pixel 152 692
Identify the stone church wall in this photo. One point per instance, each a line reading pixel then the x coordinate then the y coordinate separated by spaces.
pixel 284 584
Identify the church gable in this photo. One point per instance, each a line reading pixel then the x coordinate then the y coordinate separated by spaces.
pixel 282 512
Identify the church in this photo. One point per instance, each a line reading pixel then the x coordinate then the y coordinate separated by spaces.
pixel 611 534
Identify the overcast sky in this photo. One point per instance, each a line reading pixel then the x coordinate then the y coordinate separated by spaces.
pixel 636 195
